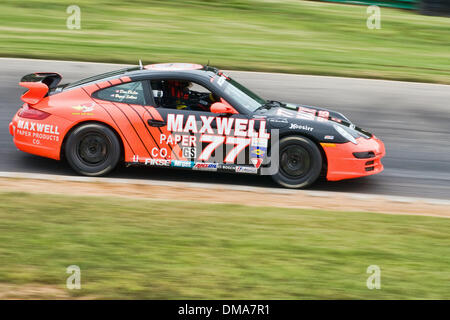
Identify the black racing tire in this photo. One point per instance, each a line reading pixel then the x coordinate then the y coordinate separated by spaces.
pixel 92 150
pixel 300 162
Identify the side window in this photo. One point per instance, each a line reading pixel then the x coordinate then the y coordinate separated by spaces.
pixel 182 95
pixel 130 92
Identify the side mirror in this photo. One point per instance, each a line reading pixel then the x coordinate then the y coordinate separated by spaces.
pixel 219 107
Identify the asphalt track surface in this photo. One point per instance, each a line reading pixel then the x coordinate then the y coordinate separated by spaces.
pixel 413 120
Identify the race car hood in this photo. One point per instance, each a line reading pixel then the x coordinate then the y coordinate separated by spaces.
pixel 332 115
pixel 314 116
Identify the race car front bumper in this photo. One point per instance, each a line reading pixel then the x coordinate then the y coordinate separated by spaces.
pixel 349 160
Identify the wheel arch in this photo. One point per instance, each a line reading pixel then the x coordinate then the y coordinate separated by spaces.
pixel 81 123
pixel 316 142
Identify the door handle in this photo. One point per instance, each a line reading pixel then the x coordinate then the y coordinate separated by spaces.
pixel 156 123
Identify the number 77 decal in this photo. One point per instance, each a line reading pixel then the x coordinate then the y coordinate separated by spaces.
pixel 215 141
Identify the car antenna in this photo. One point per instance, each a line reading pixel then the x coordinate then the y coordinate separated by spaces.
pixel 140 64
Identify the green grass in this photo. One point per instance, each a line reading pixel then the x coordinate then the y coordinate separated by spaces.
pixel 290 36
pixel 129 248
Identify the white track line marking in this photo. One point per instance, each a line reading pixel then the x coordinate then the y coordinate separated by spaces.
pixel 216 186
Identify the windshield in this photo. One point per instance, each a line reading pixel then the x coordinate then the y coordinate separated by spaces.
pixel 250 100
pixel 99 77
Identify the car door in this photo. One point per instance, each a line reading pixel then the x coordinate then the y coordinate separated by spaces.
pixel 200 139
pixel 126 104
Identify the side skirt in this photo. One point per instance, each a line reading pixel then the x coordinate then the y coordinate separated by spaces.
pixel 191 165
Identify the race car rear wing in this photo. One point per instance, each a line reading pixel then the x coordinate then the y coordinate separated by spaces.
pixel 38 84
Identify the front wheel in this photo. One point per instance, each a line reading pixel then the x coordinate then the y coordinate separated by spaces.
pixel 300 162
pixel 92 150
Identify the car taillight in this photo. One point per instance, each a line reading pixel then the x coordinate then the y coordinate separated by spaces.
pixel 31 113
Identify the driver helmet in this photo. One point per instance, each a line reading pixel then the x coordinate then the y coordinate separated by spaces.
pixel 177 88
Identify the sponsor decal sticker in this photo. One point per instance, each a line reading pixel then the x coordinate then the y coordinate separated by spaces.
pixel 246 169
pixel 279 120
pixel 163 153
pixel 185 140
pixel 38 127
pixel 328 137
pixel 285 113
pixel 182 164
pixel 83 110
pixel 121 94
pixel 158 162
pixel 221 81
pixel 304 112
pixel 205 166
pixel 189 152
pixel 225 126
pixel 227 167
pixel 216 131
pixel 336 119
pixel 259 142
pixel 295 126
pixel 38 131
pixel 256 162
pixel 256 151
pixel 323 115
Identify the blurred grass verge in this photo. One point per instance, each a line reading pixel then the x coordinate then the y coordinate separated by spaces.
pixel 129 248
pixel 290 36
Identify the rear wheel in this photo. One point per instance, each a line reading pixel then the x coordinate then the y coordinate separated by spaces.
pixel 300 162
pixel 92 150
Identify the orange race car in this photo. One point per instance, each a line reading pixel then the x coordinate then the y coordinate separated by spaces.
pixel 187 116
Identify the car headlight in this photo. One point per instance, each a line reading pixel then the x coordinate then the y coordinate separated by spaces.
pixel 343 132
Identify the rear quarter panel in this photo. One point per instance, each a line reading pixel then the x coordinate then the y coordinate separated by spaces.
pixel 72 108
